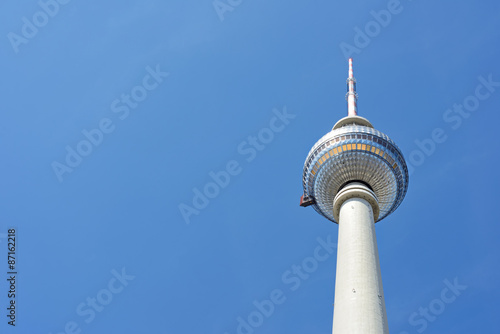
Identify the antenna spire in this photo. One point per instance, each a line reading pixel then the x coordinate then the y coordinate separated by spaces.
pixel 351 96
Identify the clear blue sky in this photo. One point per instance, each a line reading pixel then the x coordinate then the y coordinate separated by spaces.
pixel 115 115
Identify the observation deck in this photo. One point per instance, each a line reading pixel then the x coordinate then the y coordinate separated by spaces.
pixel 354 152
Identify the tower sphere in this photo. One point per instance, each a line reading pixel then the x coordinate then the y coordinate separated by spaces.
pixel 353 151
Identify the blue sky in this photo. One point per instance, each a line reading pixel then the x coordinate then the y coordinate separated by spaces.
pixel 115 115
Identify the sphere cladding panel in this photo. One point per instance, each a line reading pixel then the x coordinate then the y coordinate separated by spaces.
pixel 355 153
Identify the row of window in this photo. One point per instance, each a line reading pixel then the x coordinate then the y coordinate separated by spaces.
pixel 348 147
pixel 362 136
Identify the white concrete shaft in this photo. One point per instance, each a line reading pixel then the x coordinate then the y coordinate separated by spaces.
pixel 359 306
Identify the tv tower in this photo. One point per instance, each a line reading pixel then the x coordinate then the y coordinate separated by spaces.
pixel 356 176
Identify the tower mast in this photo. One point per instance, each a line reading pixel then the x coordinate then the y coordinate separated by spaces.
pixel 351 96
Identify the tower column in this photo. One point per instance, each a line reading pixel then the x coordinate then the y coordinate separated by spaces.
pixel 359 297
